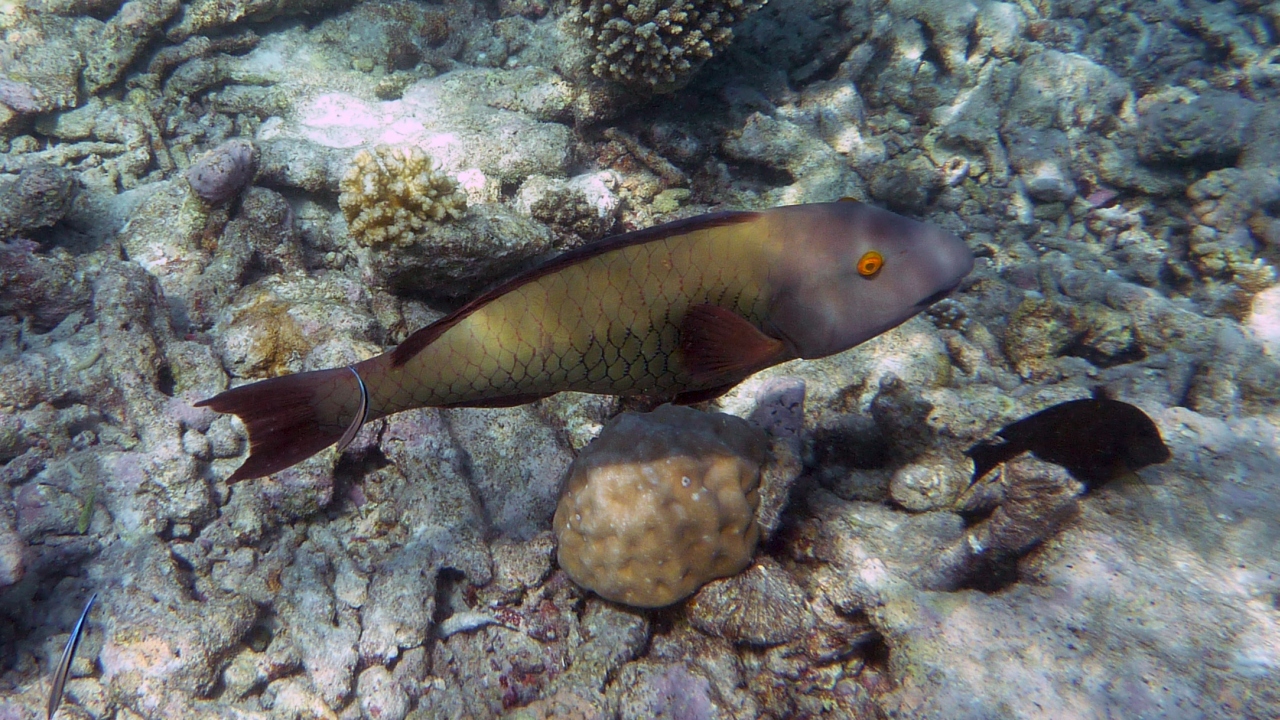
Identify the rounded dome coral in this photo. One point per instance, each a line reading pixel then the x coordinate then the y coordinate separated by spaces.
pixel 660 504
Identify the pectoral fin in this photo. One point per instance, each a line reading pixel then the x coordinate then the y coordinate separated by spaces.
pixel 719 344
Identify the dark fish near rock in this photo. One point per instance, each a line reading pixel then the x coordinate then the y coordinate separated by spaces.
pixel 1096 440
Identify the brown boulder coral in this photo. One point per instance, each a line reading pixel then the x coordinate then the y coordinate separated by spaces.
pixel 391 195
pixel 660 504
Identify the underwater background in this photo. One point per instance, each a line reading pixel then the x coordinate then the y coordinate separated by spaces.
pixel 198 194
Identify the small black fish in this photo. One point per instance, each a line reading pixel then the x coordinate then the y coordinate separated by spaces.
pixel 1096 440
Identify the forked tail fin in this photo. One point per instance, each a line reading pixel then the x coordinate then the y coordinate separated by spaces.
pixel 293 417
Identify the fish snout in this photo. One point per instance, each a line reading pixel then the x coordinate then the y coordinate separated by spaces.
pixel 950 262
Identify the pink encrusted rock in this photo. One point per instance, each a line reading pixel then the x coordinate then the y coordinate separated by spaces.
pixel 223 172
pixel 12 552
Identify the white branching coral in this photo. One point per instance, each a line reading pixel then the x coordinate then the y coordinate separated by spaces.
pixel 657 43
pixel 391 195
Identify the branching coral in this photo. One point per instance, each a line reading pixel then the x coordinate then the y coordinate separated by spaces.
pixel 657 43
pixel 390 195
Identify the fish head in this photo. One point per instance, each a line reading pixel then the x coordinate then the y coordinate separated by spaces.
pixel 1144 446
pixel 849 271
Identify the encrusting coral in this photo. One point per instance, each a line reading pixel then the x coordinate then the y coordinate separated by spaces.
pixel 391 194
pixel 661 503
pixel 657 43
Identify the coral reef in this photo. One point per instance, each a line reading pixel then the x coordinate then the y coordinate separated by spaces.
pixel 655 45
pixel 1112 165
pixel 391 194
pixel 659 504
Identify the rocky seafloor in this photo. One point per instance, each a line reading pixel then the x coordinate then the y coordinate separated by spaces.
pixel 177 205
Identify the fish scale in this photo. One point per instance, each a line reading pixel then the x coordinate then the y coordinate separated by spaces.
pixel 684 311
pixel 607 325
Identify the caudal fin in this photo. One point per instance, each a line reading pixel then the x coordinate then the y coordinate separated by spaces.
pixel 290 418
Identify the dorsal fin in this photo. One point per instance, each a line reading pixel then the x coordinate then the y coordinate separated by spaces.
pixel 415 343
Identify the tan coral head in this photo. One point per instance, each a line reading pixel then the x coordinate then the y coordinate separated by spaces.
pixel 660 504
pixel 393 194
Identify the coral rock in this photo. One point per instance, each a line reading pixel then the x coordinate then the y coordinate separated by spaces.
pixel 273 325
pixel 661 690
pixel 12 551
pixel 381 697
pixel 586 205
pixel 391 195
pixel 779 412
pixel 224 171
pixel 41 197
pixel 762 606
pixel 43 287
pixel 661 503
pixel 1039 497
pixel 1210 130
pixel 931 483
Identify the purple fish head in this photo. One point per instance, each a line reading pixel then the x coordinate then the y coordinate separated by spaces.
pixel 850 271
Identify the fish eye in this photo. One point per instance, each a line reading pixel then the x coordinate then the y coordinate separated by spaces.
pixel 870 263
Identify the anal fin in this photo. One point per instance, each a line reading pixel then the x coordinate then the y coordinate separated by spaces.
pixel 718 343
pixel 692 397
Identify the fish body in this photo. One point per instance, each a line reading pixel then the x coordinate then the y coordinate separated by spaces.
pixel 63 670
pixel 1095 439
pixel 684 310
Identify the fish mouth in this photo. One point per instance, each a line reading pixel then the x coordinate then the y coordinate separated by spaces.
pixel 938 295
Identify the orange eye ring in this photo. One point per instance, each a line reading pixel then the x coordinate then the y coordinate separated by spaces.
pixel 870 263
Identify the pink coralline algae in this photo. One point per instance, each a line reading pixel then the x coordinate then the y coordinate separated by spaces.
pixel 43 287
pixel 224 171
pixel 20 97
pixel 41 196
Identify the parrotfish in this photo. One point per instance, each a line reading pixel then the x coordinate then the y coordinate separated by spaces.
pixel 1096 439
pixel 681 311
